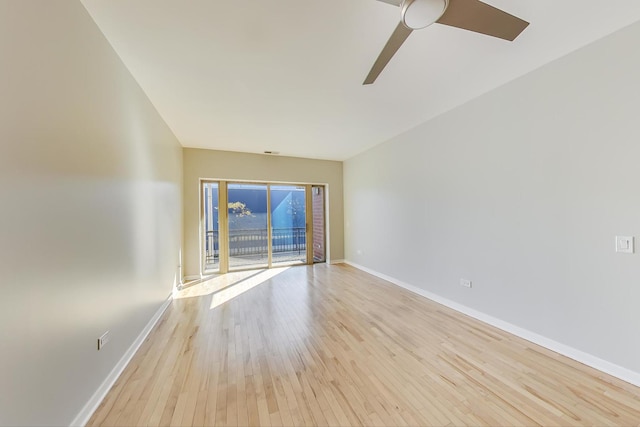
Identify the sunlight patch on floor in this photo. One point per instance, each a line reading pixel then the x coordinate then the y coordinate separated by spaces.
pixel 225 287
pixel 244 285
pixel 215 284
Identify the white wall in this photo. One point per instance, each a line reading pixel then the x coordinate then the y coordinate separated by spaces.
pixel 521 191
pixel 90 193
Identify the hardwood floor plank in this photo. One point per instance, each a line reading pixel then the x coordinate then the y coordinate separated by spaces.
pixel 331 345
pixel 199 411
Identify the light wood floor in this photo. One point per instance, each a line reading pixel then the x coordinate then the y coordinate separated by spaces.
pixel 331 345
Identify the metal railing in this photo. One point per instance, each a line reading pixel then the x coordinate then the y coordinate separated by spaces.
pixel 289 240
pixel 212 247
pixel 255 241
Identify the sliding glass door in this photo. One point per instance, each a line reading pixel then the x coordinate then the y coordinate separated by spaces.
pixel 211 227
pixel 263 225
pixel 288 224
pixel 318 221
pixel 248 226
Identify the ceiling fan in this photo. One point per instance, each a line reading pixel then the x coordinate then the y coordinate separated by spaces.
pixel 472 15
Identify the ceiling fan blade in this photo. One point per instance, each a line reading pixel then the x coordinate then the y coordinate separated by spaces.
pixel 474 15
pixel 398 37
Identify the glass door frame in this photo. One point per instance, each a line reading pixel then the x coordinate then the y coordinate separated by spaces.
pixel 228 229
pixel 222 235
pixel 322 188
pixel 223 228
pixel 291 238
pixel 203 231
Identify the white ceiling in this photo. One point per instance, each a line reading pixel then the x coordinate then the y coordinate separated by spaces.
pixel 286 75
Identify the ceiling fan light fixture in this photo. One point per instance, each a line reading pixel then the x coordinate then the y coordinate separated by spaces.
pixel 417 14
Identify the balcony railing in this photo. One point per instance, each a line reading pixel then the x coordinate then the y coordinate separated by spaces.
pixel 255 242
pixel 212 247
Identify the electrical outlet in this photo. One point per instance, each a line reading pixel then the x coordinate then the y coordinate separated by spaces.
pixel 466 283
pixel 103 340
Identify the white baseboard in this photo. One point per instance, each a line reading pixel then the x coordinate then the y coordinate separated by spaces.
pixel 612 369
pixel 190 278
pixel 90 407
pixel 336 261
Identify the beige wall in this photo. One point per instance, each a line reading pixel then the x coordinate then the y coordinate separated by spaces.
pixel 90 210
pixel 212 164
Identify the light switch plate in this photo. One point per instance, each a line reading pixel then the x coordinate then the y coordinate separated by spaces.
pixel 103 340
pixel 624 244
